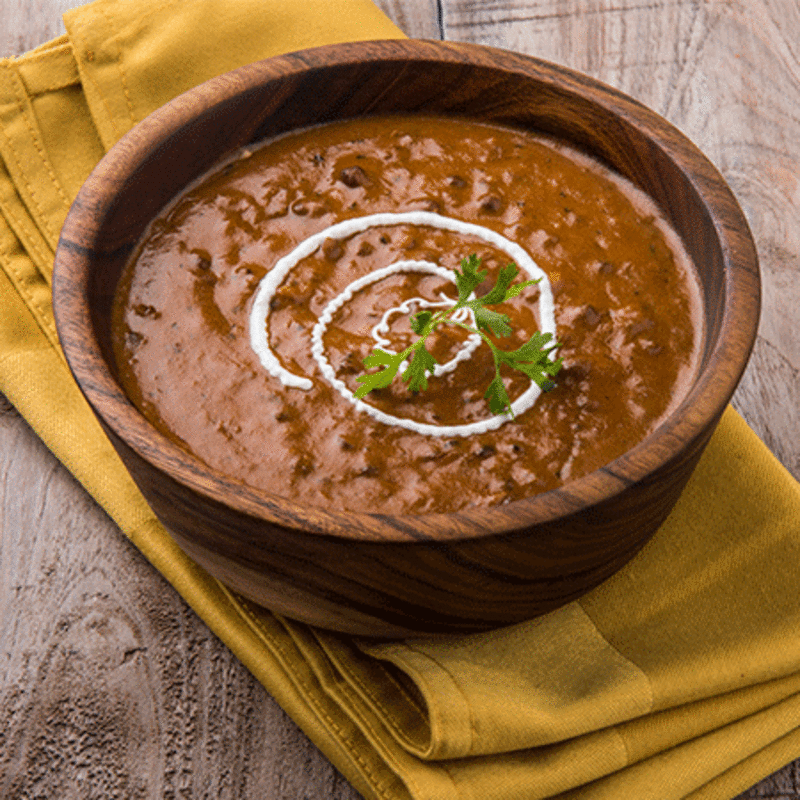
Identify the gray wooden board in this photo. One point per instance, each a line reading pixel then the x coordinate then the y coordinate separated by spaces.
pixel 110 686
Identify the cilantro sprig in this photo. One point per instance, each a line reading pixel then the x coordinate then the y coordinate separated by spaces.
pixel 532 358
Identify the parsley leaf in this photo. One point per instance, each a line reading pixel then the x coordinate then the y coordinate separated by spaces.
pixel 492 321
pixel 498 293
pixel 468 280
pixel 533 358
pixel 420 320
pixel 497 396
pixel 378 380
pixel 422 362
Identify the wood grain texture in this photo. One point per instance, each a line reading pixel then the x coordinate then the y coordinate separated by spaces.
pixel 25 25
pixel 661 52
pixel 110 687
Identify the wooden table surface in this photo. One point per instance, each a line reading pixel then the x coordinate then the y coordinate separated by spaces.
pixel 110 686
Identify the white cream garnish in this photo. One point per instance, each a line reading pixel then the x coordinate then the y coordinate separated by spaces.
pixel 462 315
pixel 259 314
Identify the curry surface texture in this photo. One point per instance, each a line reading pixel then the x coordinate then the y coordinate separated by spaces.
pixel 626 315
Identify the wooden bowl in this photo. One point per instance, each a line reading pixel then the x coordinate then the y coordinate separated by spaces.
pixel 406 575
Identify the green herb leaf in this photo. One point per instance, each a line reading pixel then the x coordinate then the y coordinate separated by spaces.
pixel 468 280
pixel 497 396
pixel 422 363
pixel 498 292
pixel 378 380
pixel 532 358
pixel 535 348
pixel 420 320
pixel 517 288
pixel 488 320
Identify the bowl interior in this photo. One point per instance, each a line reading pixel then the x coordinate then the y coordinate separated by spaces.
pixel 183 140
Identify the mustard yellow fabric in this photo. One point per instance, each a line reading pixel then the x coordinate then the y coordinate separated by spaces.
pixel 677 678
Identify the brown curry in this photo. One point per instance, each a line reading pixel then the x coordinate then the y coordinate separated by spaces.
pixel 625 301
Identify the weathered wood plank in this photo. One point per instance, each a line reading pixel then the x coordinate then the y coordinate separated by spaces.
pixel 109 685
pixel 24 25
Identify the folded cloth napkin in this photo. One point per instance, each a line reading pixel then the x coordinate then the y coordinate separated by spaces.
pixel 679 677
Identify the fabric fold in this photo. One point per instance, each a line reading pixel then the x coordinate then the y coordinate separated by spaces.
pixel 668 681
pixel 134 57
pixel 558 673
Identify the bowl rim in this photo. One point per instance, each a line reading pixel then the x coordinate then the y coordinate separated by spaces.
pixel 708 396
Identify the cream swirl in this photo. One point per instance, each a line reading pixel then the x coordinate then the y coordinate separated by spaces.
pixel 259 314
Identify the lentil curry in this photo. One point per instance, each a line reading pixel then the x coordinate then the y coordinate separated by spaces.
pixel 625 307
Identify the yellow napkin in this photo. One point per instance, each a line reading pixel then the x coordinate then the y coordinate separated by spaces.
pixel 679 677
